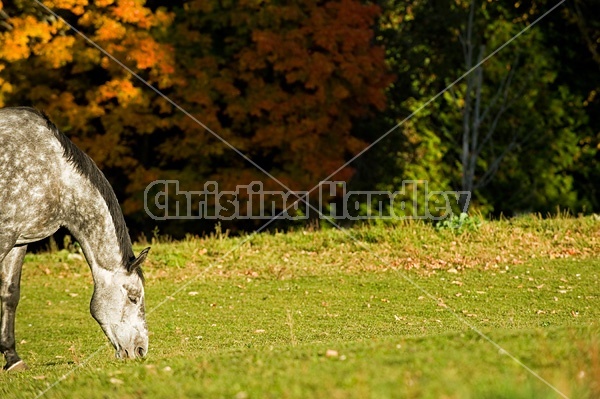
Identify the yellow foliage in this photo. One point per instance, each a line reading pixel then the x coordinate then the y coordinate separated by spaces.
pixel 121 89
pixel 103 3
pixel 77 7
pixel 14 44
pixel 58 52
pixel 276 80
pixel 133 11
pixel 109 29
pixel 5 88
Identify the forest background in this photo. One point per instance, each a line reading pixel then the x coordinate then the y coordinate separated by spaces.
pixel 302 87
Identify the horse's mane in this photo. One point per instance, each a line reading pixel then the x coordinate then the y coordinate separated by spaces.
pixel 86 167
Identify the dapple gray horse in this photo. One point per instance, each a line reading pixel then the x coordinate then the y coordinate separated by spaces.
pixel 47 182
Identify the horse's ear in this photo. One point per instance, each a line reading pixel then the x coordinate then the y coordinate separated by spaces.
pixel 137 262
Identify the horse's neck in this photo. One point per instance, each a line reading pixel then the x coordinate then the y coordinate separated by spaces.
pixel 87 216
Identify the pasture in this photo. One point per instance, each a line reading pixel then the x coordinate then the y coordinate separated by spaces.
pixel 393 313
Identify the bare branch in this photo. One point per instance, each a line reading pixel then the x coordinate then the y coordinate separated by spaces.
pixel 5 24
pixel 506 104
pixel 470 35
pixel 463 44
pixel 479 86
pixel 493 169
pixel 491 129
pixel 467 181
pixel 502 88
pixel 579 19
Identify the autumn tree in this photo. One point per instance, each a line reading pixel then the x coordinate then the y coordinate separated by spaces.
pixel 101 106
pixel 282 83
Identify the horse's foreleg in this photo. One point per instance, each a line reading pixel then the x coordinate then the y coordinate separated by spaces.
pixel 10 287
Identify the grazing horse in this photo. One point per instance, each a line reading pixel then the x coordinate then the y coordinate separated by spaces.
pixel 47 182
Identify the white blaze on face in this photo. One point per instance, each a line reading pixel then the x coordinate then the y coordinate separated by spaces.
pixel 118 306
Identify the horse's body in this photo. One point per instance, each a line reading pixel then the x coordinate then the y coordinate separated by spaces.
pixel 45 183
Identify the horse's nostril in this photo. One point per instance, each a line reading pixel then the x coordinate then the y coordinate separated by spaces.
pixel 140 351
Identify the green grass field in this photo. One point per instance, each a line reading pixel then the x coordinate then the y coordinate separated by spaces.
pixel 402 311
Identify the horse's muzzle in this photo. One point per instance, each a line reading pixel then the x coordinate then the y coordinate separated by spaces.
pixel 133 352
pixel 137 349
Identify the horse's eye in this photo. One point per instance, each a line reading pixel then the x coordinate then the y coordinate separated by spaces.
pixel 133 299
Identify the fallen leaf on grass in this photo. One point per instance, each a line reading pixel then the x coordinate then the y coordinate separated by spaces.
pixel 331 353
pixel 241 395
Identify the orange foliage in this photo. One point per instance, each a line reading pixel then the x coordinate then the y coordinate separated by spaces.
pixel 16 43
pixel 121 89
pixel 100 106
pixel 58 52
pixel 108 29
pixel 77 7
pixel 103 3
pixel 134 12
pixel 283 83
pixel 147 53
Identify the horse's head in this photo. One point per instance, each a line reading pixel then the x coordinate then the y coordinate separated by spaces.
pixel 118 306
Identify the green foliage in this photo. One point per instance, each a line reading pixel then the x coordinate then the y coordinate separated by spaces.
pixel 540 121
pixel 460 223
